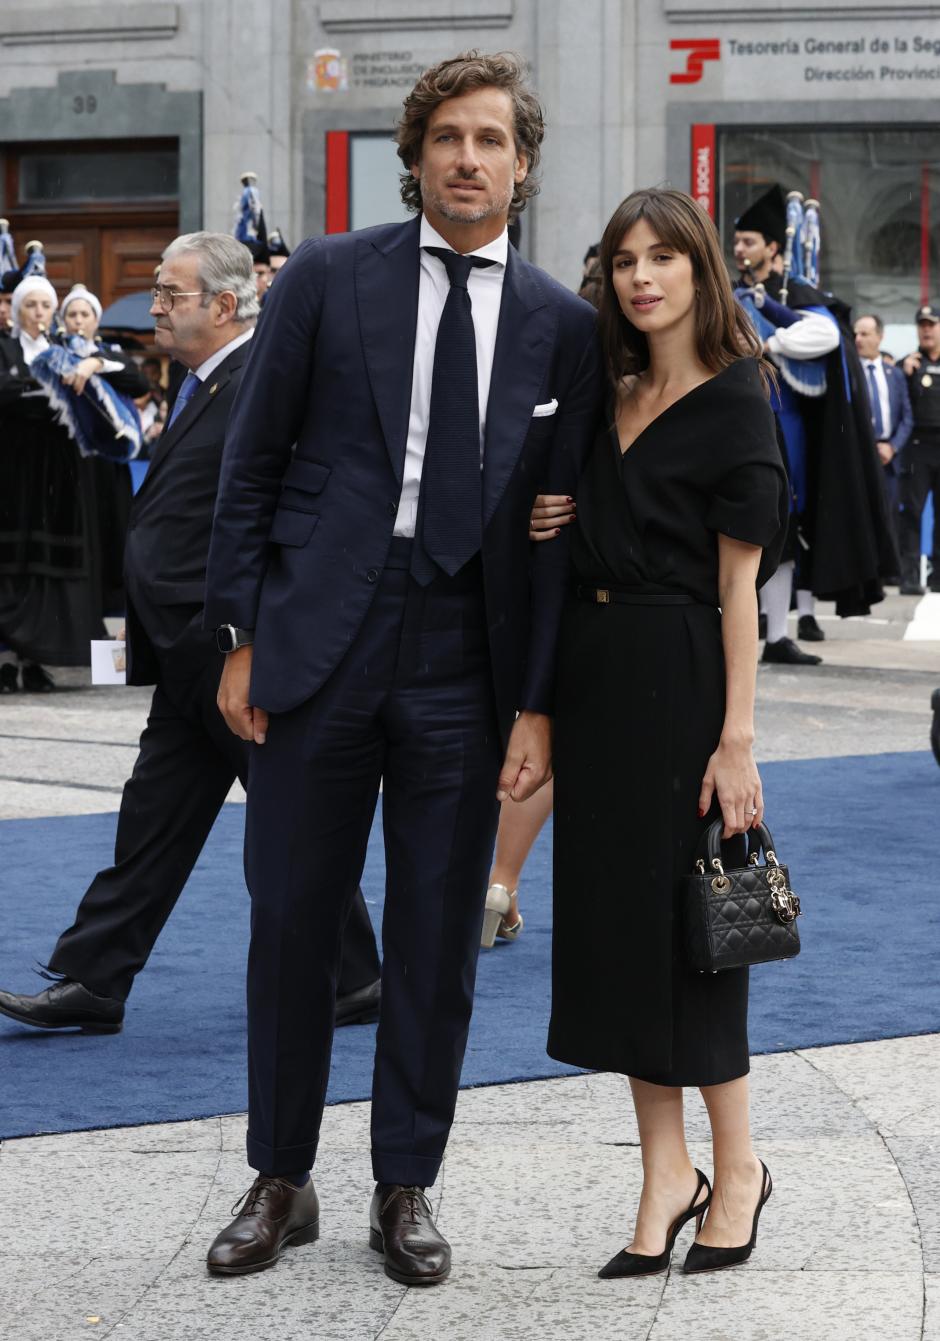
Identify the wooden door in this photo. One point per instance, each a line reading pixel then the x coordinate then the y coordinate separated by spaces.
pixel 128 258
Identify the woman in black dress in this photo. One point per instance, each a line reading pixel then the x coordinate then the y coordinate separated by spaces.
pixel 55 556
pixel 682 511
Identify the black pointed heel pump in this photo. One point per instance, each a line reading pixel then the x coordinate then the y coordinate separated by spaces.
pixel 641 1264
pixel 703 1258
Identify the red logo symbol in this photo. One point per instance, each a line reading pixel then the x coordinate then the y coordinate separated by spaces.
pixel 701 50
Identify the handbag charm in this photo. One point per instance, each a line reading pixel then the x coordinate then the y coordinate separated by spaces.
pixel 739 916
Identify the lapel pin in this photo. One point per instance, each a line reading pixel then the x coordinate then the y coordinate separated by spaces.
pixel 213 388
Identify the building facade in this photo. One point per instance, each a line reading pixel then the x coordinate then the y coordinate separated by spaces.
pixel 123 123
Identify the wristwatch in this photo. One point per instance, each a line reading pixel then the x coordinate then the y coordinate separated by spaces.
pixel 229 639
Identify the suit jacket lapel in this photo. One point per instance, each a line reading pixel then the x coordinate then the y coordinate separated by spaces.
pixel 524 341
pixel 387 279
pixel 202 397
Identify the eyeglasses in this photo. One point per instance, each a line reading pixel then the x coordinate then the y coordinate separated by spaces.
pixel 166 297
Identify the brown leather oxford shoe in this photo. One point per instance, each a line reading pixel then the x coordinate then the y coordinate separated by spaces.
pixel 274 1213
pixel 401 1227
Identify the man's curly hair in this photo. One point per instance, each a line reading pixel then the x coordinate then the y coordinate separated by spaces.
pixel 452 78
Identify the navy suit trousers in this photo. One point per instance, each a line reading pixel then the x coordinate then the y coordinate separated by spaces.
pixel 410 707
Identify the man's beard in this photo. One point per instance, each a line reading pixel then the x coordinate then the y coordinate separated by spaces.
pixel 498 204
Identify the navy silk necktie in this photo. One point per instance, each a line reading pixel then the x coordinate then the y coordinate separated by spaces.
pixel 877 419
pixel 451 486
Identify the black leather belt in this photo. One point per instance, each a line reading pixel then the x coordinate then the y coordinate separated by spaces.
pixel 619 596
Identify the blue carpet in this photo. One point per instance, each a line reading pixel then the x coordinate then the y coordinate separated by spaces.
pixel 859 834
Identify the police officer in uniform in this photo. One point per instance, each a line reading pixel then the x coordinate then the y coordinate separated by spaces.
pixel 919 469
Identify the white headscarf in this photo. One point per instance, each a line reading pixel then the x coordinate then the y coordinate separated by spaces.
pixel 31 284
pixel 79 291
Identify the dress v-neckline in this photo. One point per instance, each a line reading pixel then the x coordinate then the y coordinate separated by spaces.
pixel 625 451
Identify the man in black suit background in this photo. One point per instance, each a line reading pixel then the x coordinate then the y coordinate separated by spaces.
pixel 386 620
pixel 205 308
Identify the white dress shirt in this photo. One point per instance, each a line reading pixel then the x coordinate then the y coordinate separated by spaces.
pixel 485 286
pixel 212 362
pixel 881 382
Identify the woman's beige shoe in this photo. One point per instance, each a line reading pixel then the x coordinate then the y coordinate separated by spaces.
pixel 498 904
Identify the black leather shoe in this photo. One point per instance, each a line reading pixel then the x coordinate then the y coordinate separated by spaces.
pixel 784 652
pixel 360 1006
pixel 642 1264
pixel 911 589
pixel 703 1258
pixel 65 1005
pixel 9 678
pixel 273 1214
pixel 808 631
pixel 935 724
pixel 400 1226
pixel 36 680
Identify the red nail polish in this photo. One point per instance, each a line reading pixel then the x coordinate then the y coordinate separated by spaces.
pixel 558 530
pixel 701 813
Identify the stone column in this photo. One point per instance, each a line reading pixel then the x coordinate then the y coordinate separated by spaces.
pixel 584 71
pixel 247 109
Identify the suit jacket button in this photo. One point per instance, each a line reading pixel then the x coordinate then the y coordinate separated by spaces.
pixel 393 509
pixel 372 574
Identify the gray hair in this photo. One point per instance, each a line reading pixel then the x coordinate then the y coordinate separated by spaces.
pixel 225 266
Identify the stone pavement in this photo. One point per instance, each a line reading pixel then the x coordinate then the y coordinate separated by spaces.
pixel 107 1231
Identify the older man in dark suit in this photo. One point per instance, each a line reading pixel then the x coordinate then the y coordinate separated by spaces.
pixel 205 309
pixel 385 619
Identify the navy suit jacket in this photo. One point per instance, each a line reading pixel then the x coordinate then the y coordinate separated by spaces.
pixel 168 535
pixel 899 402
pixel 315 451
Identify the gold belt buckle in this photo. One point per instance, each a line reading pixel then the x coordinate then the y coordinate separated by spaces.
pixel 602 596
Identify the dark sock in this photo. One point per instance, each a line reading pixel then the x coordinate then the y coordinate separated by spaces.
pixel 299 1179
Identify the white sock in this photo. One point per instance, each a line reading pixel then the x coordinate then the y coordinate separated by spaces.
pixel 805 602
pixel 776 601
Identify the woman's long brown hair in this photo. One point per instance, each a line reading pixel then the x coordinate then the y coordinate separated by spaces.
pixel 723 332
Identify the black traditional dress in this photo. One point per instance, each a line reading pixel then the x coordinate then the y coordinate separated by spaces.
pixel 639 710
pixel 51 580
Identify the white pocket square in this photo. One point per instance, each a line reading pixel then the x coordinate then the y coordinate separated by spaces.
pixel 541 411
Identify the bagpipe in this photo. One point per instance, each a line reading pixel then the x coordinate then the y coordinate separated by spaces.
pixel 100 421
pixel 800 263
pixel 801 253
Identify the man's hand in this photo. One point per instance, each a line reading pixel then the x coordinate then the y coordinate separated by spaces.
pixel 528 762
pixel 248 722
pixel 550 514
pixel 911 364
pixel 886 452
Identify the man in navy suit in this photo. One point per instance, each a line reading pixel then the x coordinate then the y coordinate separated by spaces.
pixel 889 405
pixel 386 620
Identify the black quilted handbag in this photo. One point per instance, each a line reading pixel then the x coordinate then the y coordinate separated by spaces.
pixel 742 916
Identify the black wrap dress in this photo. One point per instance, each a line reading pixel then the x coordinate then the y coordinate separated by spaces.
pixel 639 710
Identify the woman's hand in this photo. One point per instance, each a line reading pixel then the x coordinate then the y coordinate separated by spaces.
pixel 79 377
pixel 550 514
pixel 732 773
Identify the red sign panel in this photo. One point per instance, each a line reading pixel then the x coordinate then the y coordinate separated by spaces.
pixel 337 181
pixel 700 50
pixel 702 187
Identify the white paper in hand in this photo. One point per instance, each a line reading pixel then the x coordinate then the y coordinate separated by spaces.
pixel 108 661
